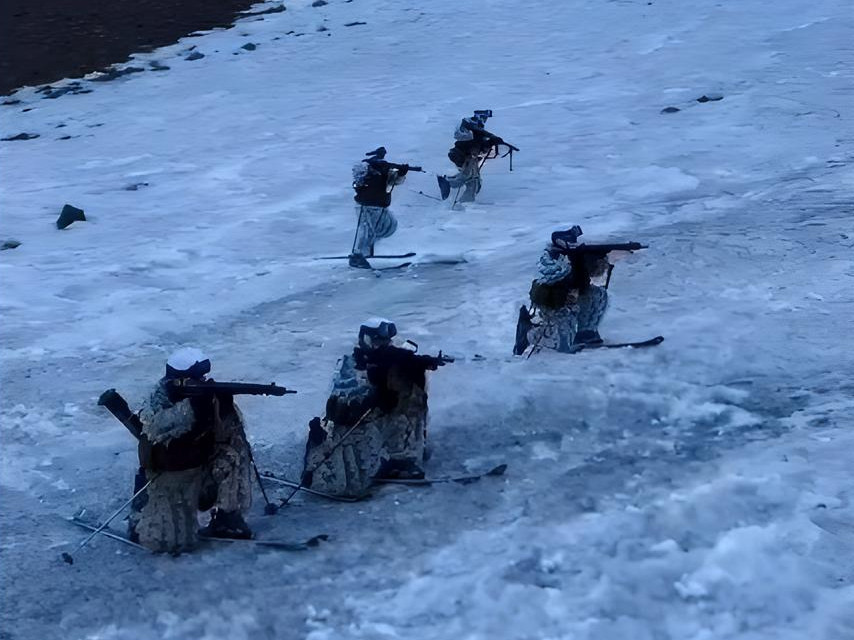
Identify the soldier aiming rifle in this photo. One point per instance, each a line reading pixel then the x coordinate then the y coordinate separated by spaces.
pixel 193 455
pixel 473 146
pixel 373 180
pixel 376 416
pixel 566 305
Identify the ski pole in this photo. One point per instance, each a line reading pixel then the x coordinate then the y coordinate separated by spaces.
pixel 327 456
pixel 426 195
pixel 269 508
pixel 68 556
pixel 610 271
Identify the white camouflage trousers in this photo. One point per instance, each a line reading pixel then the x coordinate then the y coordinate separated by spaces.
pixel 374 223
pixel 556 328
pixel 381 440
pixel 468 177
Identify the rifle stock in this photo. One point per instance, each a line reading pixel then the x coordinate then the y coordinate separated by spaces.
pixel 117 405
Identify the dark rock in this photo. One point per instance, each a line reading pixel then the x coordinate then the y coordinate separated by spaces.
pixel 113 74
pixel 9 244
pixel 354 24
pixel 20 136
pixel 60 125
pixel 53 95
pixel 64 138
pixel 277 9
pixel 136 186
pixel 157 66
pixel 321 29
pixel 670 110
pixel 319 3
pixel 69 215
pixel 714 97
pixel 249 46
pixel 195 56
pixel 11 102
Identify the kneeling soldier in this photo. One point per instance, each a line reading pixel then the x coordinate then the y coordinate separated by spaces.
pixel 376 416
pixel 195 452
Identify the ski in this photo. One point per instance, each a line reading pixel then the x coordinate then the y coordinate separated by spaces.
pixel 314 492
pixel 619 345
pixel 399 255
pixel 276 544
pixel 426 482
pixel 396 267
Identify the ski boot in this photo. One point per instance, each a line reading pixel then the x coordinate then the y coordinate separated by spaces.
pixel 227 524
pixel 444 187
pixel 401 470
pixel 587 336
pixel 358 261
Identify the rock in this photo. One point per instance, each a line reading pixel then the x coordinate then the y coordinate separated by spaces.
pixel 11 102
pixel 20 136
pixel 277 9
pixel 9 244
pixel 158 66
pixel 249 46
pixel 69 215
pixel 711 97
pixel 135 186
pixel 670 110
pixel 319 3
pixel 321 29
pixel 112 74
pixel 354 24
pixel 195 56
pixel 53 95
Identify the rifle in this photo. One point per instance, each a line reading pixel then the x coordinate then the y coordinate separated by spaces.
pixel 389 356
pixel 189 388
pixel 378 164
pixel 185 388
pixel 118 406
pixel 582 255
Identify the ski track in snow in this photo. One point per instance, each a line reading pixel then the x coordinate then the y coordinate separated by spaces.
pixel 699 490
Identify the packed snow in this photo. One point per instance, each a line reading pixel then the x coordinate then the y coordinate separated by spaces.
pixel 698 490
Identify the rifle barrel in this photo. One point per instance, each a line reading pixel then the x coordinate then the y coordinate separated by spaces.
pixel 189 388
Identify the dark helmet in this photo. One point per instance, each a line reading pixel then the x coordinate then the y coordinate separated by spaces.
pixel 376 332
pixel 188 363
pixel 378 153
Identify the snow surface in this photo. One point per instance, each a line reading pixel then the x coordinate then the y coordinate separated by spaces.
pixel 700 490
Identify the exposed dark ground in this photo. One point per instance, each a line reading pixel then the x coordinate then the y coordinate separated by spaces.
pixel 42 41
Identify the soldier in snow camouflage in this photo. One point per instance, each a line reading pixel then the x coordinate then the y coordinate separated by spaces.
pixel 380 388
pixel 196 452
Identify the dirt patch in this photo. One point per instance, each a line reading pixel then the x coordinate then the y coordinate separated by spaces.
pixel 45 41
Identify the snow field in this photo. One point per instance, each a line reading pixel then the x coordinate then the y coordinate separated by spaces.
pixel 698 490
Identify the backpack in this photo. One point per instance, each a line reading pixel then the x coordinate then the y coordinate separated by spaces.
pixel 550 296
